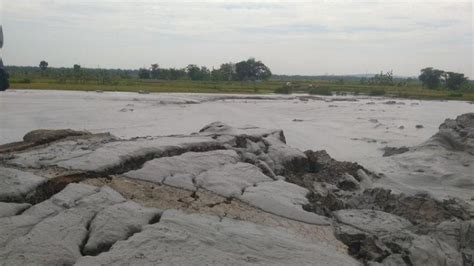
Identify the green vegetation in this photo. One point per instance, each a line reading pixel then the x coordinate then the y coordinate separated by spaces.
pixel 43 65
pixel 455 94
pixel 225 80
pixel 434 79
pixel 385 79
pixel 242 71
pixel 284 90
pixel 320 91
pixel 377 92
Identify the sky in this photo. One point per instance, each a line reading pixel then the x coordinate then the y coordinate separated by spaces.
pixel 297 37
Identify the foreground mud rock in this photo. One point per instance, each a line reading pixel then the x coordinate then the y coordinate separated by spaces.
pixel 53 232
pixel 209 240
pixel 456 134
pixel 161 160
pixel 385 227
pixel 12 209
pixel 224 195
pixel 443 164
pixel 117 222
pixel 41 136
pixel 15 185
pixel 343 190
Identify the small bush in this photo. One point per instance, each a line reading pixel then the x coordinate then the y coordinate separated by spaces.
pixel 24 81
pixel 377 92
pixel 320 91
pixel 403 95
pixel 455 94
pixel 284 90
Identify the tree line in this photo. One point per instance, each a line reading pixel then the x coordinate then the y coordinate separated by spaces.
pixel 432 78
pixel 246 70
pixel 250 69
pixel 74 74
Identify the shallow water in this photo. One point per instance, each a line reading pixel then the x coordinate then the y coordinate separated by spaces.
pixel 348 130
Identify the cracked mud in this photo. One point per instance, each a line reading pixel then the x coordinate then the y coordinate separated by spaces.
pixel 72 197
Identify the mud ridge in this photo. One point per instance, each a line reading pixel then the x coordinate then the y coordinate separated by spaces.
pixel 55 185
pixel 340 187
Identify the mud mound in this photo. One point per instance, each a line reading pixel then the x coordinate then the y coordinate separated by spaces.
pixel 456 134
pixel 442 166
pixel 379 225
pixel 44 136
pixel 236 190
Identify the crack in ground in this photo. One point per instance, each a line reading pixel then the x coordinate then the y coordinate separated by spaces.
pixel 55 185
pixel 84 241
pixel 225 201
pixel 105 247
pixel 155 219
pixel 134 163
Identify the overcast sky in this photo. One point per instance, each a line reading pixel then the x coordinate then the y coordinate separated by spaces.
pixel 318 37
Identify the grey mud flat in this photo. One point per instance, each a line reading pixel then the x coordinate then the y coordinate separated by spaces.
pixel 223 195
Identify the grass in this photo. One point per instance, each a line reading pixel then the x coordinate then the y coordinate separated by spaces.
pixel 320 91
pixel 377 92
pixel 412 91
pixel 158 86
pixel 284 90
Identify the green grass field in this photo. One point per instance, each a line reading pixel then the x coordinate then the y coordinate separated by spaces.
pixel 412 91
pixel 157 86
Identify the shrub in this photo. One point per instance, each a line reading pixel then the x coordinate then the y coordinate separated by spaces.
pixel 377 92
pixel 455 94
pixel 403 94
pixel 320 91
pixel 284 90
pixel 24 81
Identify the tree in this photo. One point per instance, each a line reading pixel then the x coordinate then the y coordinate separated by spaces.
pixel 143 73
pixel 454 81
pixel 252 70
pixel 194 73
pixel 176 74
pixel 216 75
pixel 43 65
pixel 104 78
pixel 243 70
pixel 383 78
pixel 155 71
pixel 430 77
pixel 261 71
pixel 204 73
pixel 227 71
pixel 77 72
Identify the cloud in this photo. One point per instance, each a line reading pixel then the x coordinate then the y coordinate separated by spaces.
pixel 216 31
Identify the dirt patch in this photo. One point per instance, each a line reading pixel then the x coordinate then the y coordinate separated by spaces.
pixel 166 197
